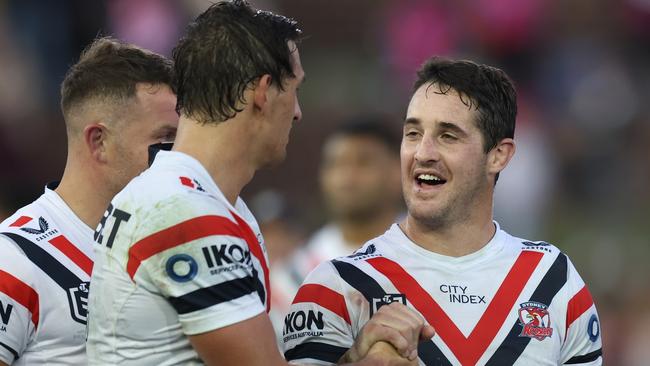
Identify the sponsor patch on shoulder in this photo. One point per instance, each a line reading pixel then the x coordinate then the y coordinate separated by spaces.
pixel 541 246
pixel 369 252
pixel 181 267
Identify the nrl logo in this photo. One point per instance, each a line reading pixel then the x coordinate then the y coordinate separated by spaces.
pixel 378 302
pixel 535 319
pixel 78 301
pixel 43 226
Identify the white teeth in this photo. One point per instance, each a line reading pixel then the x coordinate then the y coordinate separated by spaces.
pixel 428 177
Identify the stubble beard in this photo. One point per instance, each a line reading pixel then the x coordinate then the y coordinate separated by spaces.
pixel 455 210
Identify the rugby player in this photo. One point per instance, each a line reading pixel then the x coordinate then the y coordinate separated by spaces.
pixel 116 101
pixel 181 275
pixel 493 299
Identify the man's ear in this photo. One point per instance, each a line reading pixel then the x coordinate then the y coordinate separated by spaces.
pixel 95 136
pixel 260 92
pixel 500 155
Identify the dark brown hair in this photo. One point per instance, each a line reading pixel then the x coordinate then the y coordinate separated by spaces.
pixel 109 68
pixel 226 48
pixel 485 88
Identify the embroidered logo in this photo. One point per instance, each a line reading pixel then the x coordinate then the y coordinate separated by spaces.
pixel 369 252
pixel 78 301
pixel 378 302
pixel 535 320
pixel 43 226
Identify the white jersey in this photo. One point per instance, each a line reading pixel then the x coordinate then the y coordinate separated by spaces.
pixel 286 278
pixel 45 267
pixel 513 302
pixel 174 258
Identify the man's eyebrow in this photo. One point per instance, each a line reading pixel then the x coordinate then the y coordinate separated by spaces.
pixel 452 127
pixel 412 121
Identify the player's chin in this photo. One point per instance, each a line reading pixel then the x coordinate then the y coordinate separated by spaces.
pixel 424 212
pixel 275 159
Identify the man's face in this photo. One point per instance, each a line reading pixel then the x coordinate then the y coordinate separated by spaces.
pixel 284 110
pixel 444 166
pixel 151 118
pixel 359 176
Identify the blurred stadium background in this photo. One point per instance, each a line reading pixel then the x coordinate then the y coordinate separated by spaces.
pixel 581 176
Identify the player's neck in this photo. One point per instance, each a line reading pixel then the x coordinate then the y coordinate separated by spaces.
pixel 222 150
pixel 84 192
pixel 456 239
pixel 357 232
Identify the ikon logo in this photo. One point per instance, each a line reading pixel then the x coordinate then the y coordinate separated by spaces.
pixel 224 254
pixel 299 320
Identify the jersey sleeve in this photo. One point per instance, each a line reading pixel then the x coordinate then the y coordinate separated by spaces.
pixel 318 328
pixel 210 281
pixel 583 342
pixel 19 302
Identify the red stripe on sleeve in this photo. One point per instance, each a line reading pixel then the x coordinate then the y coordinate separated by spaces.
pixel 256 249
pixel 577 306
pixel 325 297
pixel 20 292
pixel 72 252
pixel 186 231
pixel 22 220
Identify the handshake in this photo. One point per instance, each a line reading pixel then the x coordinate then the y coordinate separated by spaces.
pixel 390 338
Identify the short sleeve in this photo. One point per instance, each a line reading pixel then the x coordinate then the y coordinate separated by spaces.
pixel 583 343
pixel 317 330
pixel 210 282
pixel 19 302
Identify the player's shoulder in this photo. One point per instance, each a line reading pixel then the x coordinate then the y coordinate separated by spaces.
pixel 14 264
pixel 353 263
pixel 380 246
pixel 518 245
pixel 371 249
pixel 36 222
pixel 163 190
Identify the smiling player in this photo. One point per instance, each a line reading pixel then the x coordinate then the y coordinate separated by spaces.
pixel 493 299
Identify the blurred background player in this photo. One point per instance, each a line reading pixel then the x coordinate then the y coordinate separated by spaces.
pixel 116 101
pixel 181 267
pixel 360 184
pixel 282 234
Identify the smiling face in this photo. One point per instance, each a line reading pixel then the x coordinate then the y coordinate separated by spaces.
pixel 445 174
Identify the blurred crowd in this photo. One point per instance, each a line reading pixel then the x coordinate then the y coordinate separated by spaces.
pixel 580 178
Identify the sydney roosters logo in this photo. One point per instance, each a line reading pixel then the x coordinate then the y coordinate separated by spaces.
pixel 535 320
